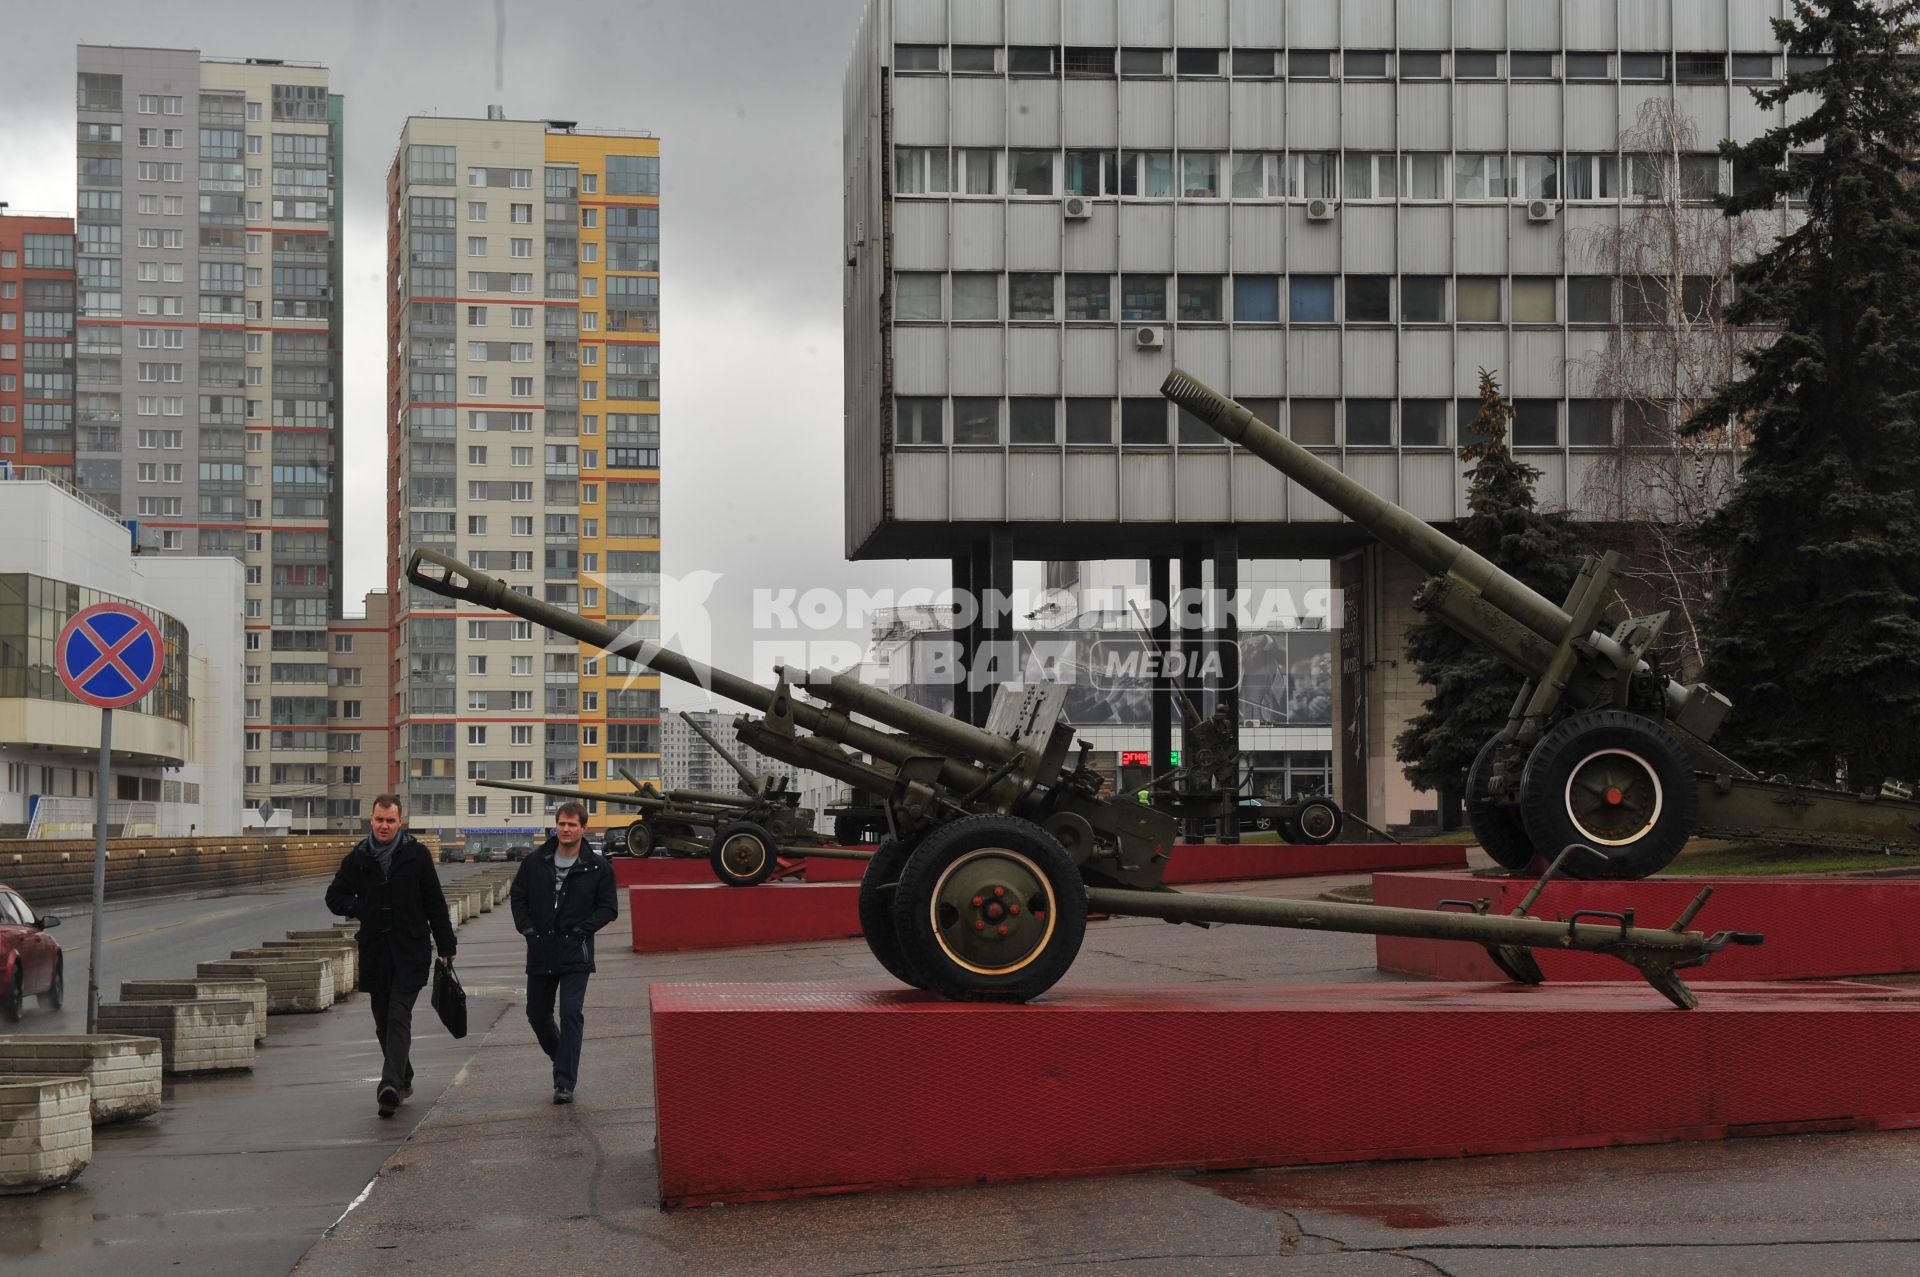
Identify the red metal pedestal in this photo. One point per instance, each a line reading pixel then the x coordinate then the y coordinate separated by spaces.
pixel 1241 862
pixel 1816 928
pixel 907 1090
pixel 711 915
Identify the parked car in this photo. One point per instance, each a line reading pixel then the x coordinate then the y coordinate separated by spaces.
pixel 30 960
pixel 453 855
pixel 614 843
pixel 519 853
pixel 485 853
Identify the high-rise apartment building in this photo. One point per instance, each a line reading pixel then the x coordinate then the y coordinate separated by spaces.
pixel 688 762
pixel 1336 211
pixel 36 344
pixel 524 427
pixel 208 352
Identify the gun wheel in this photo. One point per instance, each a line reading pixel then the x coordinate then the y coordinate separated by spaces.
pixel 742 854
pixel 878 884
pixel 639 839
pixel 990 908
pixel 1496 827
pixel 1615 781
pixel 1318 822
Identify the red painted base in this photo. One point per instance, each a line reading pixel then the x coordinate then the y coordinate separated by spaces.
pixel 1816 928
pixel 659 871
pixel 713 916
pixel 1206 862
pixel 908 1090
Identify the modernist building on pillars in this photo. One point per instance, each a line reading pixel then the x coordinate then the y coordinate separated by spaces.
pixel 1336 211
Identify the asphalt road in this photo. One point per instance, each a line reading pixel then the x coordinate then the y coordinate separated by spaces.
pixel 239 1173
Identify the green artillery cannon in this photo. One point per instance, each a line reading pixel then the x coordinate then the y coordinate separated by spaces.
pixel 745 834
pixel 1600 748
pixel 999 844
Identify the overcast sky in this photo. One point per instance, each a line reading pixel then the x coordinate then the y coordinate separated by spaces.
pixel 745 97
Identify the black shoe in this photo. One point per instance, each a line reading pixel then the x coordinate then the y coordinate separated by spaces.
pixel 561 1095
pixel 389 1100
pixel 406 1093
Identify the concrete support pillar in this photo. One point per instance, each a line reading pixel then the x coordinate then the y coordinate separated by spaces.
pixel 1160 599
pixel 1375 688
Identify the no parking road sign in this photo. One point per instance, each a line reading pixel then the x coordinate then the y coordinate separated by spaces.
pixel 109 655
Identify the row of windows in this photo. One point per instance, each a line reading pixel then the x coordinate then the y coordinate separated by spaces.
pixel 1107 62
pixel 625 174
pixel 1079 297
pixel 1305 175
pixel 974 421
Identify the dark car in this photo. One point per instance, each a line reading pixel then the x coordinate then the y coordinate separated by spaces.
pixel 453 855
pixel 30 960
pixel 614 843
pixel 520 852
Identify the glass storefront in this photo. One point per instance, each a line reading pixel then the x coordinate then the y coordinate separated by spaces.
pixel 32 611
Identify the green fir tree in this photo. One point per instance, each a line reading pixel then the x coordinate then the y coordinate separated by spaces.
pixel 1471 692
pixel 1816 636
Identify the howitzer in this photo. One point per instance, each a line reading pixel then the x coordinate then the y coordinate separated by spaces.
pixel 1600 748
pixel 999 842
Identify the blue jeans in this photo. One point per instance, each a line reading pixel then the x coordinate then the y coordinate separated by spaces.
pixel 561 1045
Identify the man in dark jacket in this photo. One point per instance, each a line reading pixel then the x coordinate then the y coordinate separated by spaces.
pixel 562 894
pixel 388 883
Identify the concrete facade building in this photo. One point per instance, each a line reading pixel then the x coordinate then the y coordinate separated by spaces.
pixel 1336 211
pixel 524 430
pixel 177 752
pixel 208 350
pixel 36 343
pixel 688 762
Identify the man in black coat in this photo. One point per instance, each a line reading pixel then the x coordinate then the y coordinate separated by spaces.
pixel 562 894
pixel 388 883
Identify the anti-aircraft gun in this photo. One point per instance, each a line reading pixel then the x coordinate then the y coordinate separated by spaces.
pixel 742 834
pixel 1000 842
pixel 1600 748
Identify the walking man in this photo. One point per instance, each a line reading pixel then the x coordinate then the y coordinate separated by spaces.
pixel 388 883
pixel 562 894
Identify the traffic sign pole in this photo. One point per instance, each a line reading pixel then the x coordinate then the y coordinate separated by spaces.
pixel 101 793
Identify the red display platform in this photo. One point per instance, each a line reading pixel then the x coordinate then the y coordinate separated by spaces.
pixel 1816 928
pixel 658 871
pixel 711 915
pixel 906 1090
pixel 1240 862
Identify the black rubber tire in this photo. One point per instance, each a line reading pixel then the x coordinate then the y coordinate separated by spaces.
pixel 877 887
pixel 1289 827
pixel 56 993
pixel 1321 811
pixel 639 839
pixel 15 1004
pixel 1497 828
pixel 760 870
pixel 1649 750
pixel 1032 848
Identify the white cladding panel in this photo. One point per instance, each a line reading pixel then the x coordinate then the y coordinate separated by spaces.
pixel 1200 485
pixel 1482 121
pixel 1427 484
pixel 1201 24
pixel 1142 371
pixel 979 485
pixel 1424 24
pixel 1093 486
pixel 1200 115
pixel 1426 239
pixel 1146 487
pixel 1750 119
pixel 1200 238
pixel 1259 363
pixel 1090 368
pixel 1534 26
pixel 1535 125
pixel 1202 352
pixel 920 486
pixel 1146 23
pixel 1538 354
pixel 1751 23
pixel 1590 24
pixel 1259 119
pixel 1033 486
pixel 1312 246
pixel 1089 22
pixel 1480 239
pixel 1426 117
pixel 1378 470
pixel 1370 363
pixel 1092 244
pixel 1702 24
pixel 920 360
pixel 920 235
pixel 1426 363
pixel 979 235
pixel 1146 113
pixel 976 360
pixel 1032 24
pixel 977 22
pixel 918 22
pixel 1367 117
pixel 1367 237
pixel 1091 113
pixel 1258 23
pixel 1313 24
pixel 1645 24
pixel 919 110
pixel 1033 360
pixel 1368 24
pixel 1480 24
pixel 1313 115
pixel 1474 349
pixel 979 111
pixel 1146 237
pixel 1257 237
pixel 1533 248
pixel 1033 113
pixel 1593 117
pixel 1313 361
pixel 1034 230
pixel 1259 491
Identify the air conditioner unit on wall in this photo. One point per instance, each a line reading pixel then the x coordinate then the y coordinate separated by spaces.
pixel 1077 208
pixel 1149 338
pixel 1320 210
pixel 1541 211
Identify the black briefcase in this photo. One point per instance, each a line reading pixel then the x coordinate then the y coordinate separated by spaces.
pixel 449 1000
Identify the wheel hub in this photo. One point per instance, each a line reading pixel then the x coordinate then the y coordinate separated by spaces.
pixel 992 911
pixel 743 855
pixel 1614 797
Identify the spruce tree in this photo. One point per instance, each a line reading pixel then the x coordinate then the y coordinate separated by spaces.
pixel 1471 691
pixel 1816 636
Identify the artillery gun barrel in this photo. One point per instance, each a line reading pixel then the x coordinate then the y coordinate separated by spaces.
pixel 936 729
pixel 753 783
pixel 455 580
pixel 584 795
pixel 1433 550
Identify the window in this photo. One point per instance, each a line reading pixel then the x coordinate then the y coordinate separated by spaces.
pixel 1310 423
pixel 976 171
pixel 1092 173
pixel 1090 421
pixel 1364 64
pixel 1256 299
pixel 1423 299
pixel 1536 423
pixel 975 59
pixel 1479 177
pixel 1309 64
pixel 520 247
pixel 1253 175
pixel 1422 66
pixel 1423 423
pixel 1310 299
pixel 1369 176
pixel 1369 299
pixel 1423 175
pixel 1032 421
pixel 1143 423
pixel 1538 177
pixel 1148 174
pixel 1369 423
pixel 1750 66
pixel 976 296
pixel 520 316
pixel 1200 174
pixel 1470 65
pixel 1699 177
pixel 1590 423
pixel 976 420
pixel 916 57
pixel 1089 297
pixel 916 296
pixel 1535 300
pixel 1029 60
pixel 1143 297
pixel 920 170
pixel 1253 64
pixel 476 735
pixel 1592 177
pixel 917 420
pixel 1643 66
pixel 1029 296
pixel 522 213
pixel 1197 299
pixel 1197 62
pixel 1476 300
pixel 1530 66
pixel 1589 299
pixel 1700 68
pixel 1030 172
pixel 1313 175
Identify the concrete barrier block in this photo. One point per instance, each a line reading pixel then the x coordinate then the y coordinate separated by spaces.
pixel 294 985
pixel 46 1131
pixel 335 956
pixel 123 1072
pixel 248 989
pixel 347 950
pixel 195 1036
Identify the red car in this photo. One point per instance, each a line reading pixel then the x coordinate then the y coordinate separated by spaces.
pixel 30 960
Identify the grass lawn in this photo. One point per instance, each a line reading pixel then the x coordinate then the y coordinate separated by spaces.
pixel 1721 858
